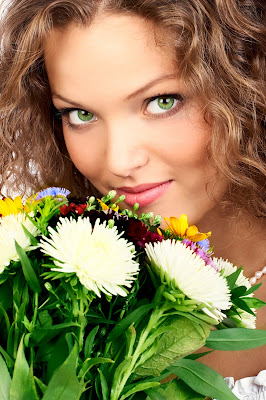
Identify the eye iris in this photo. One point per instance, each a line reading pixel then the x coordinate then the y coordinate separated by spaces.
pixel 85 115
pixel 166 102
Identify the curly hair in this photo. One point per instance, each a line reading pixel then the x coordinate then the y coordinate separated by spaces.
pixel 220 47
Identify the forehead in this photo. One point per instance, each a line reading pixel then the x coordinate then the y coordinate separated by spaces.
pixel 115 50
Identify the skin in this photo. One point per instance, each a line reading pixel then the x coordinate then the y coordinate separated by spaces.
pixel 114 70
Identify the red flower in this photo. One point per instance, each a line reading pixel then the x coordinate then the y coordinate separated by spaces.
pixel 138 233
pixel 73 208
pixel 80 208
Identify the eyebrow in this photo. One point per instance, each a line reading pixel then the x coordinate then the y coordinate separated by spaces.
pixel 151 84
pixel 132 95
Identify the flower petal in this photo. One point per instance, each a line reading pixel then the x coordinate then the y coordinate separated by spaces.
pixel 102 260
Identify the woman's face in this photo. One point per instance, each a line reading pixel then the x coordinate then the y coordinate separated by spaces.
pixel 129 124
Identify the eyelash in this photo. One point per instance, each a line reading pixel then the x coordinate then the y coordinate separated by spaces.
pixel 60 113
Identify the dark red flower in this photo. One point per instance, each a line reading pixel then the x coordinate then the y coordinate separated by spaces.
pixel 67 209
pixel 80 208
pixel 77 209
pixel 138 233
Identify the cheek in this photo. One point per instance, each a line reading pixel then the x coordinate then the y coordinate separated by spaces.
pixel 86 152
pixel 185 143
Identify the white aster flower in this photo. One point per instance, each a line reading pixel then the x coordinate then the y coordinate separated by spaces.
pixel 228 268
pixel 102 260
pixel 11 230
pixel 174 262
pixel 244 319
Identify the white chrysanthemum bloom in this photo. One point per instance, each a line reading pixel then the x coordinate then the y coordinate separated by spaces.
pixel 174 262
pixel 228 268
pixel 11 230
pixel 244 319
pixel 102 260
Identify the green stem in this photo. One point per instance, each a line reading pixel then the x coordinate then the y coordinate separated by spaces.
pixel 82 323
pixel 36 305
pixel 34 320
pixel 154 318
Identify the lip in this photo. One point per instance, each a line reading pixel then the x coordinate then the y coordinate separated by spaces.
pixel 144 194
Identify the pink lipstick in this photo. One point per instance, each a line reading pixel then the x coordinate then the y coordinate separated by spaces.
pixel 143 194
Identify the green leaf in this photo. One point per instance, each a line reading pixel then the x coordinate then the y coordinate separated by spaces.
pixel 33 240
pixel 5 380
pixel 90 341
pixel 154 394
pixel 238 291
pixel 6 295
pixel 58 354
pixel 104 386
pixel 243 305
pixel 253 289
pixel 22 385
pixel 202 379
pixel 20 375
pixel 198 355
pixel 41 385
pixel 236 339
pixel 45 319
pixel 133 317
pixel 175 389
pixel 184 338
pixel 28 271
pixel 139 388
pixel 30 392
pixel 252 302
pixel 232 278
pixel 64 384
pixel 43 335
pixel 88 364
pixel 9 361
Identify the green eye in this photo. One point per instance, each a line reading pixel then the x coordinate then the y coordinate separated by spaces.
pixel 85 116
pixel 165 103
pixel 81 117
pixel 162 104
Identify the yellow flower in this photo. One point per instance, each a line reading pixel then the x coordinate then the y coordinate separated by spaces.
pixel 105 207
pixel 180 228
pixel 9 206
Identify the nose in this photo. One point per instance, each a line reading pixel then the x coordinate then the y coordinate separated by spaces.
pixel 126 151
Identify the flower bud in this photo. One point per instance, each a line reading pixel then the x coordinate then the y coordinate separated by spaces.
pixel 111 195
pixel 136 207
pixel 48 286
pixel 91 200
pixel 111 223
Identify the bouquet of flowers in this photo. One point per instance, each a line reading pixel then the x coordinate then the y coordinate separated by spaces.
pixel 99 303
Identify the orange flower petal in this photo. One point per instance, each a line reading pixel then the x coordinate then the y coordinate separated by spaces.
pixel 104 206
pixel 191 231
pixel 200 236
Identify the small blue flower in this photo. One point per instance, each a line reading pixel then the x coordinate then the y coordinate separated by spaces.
pixel 204 244
pixel 53 192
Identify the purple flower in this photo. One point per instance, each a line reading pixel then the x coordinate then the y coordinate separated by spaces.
pixel 200 251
